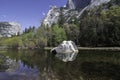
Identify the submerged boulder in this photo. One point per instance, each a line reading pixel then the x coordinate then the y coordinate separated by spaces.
pixel 66 51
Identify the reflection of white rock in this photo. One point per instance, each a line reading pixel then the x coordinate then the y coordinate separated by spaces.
pixel 67 57
pixel 66 47
pixel 12 65
pixel 66 51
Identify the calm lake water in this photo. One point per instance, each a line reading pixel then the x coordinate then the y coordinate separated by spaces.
pixel 41 65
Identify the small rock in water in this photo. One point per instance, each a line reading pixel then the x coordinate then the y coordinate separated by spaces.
pixel 66 51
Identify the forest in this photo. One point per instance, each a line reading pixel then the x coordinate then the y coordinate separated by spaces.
pixel 96 28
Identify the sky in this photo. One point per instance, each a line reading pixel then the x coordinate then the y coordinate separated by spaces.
pixel 26 12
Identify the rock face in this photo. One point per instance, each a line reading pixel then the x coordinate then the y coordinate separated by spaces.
pixel 73 9
pixel 80 4
pixel 77 4
pixel 98 2
pixel 52 16
pixel 8 29
pixel 66 51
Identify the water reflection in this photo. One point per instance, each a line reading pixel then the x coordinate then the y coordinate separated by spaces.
pixel 101 70
pixel 67 57
pixel 40 65
pixel 66 51
pixel 11 69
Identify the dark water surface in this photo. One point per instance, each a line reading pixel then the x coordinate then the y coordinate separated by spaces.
pixel 41 65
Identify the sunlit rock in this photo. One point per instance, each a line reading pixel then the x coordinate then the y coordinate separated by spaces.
pixel 98 2
pixel 80 4
pixel 52 16
pixel 73 9
pixel 66 51
pixel 8 29
pixel 77 4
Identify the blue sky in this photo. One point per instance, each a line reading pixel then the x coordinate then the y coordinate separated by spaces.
pixel 26 12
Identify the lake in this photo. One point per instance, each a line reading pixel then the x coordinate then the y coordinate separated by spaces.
pixel 42 65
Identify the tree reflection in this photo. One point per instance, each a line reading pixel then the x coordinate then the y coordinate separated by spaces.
pixel 88 65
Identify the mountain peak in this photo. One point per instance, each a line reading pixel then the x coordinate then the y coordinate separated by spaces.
pixel 77 4
pixel 73 9
pixel 80 4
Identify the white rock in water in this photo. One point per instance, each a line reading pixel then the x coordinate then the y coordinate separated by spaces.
pixel 66 51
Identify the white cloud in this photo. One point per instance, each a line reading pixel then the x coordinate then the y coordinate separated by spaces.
pixel 43 13
pixel 64 6
pixel 50 6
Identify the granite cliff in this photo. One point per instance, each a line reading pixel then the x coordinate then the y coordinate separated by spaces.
pixel 73 9
pixel 8 29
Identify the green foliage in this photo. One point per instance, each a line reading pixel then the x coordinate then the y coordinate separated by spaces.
pixel 30 40
pixel 72 31
pixel 61 17
pixel 101 27
pixel 112 26
pixel 30 29
pixel 101 30
pixel 13 42
pixel 58 34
